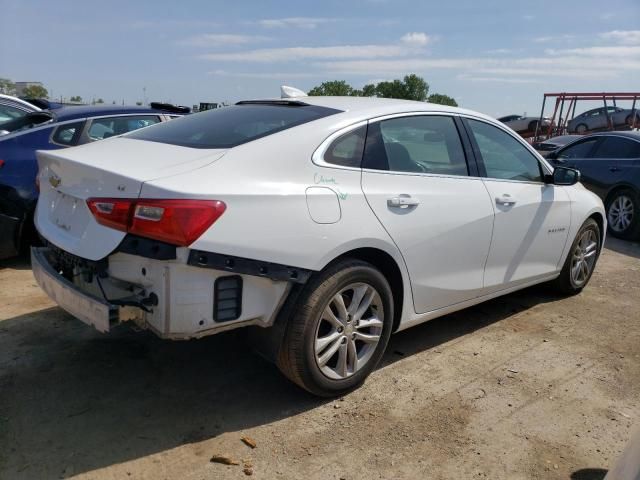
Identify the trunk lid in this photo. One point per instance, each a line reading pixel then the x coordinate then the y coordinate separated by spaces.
pixel 115 168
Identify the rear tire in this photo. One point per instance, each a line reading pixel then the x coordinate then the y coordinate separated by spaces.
pixel 581 129
pixel 581 260
pixel 338 330
pixel 623 214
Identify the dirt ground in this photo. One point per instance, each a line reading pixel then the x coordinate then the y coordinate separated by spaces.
pixel 528 386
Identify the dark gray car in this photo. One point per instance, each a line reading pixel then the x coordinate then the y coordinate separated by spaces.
pixel 596 119
pixel 610 166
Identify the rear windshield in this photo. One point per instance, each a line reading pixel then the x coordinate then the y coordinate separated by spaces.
pixel 228 127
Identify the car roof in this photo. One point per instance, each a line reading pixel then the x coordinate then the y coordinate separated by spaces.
pixel 616 133
pixel 71 112
pixel 370 107
pixel 562 138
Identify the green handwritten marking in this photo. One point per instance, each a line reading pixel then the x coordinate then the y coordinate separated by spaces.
pixel 322 180
pixel 342 196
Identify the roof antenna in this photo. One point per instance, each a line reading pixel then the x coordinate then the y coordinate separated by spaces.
pixel 290 92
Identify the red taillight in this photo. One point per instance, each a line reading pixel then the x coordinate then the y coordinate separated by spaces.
pixel 179 222
pixel 111 212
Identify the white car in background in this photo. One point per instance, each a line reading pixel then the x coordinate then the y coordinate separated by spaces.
pixel 14 107
pixel 523 124
pixel 330 222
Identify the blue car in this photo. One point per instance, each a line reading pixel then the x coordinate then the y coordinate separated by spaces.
pixel 62 127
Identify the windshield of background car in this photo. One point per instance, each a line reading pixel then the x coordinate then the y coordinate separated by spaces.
pixel 228 127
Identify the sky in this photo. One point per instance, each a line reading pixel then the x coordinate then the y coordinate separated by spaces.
pixel 496 57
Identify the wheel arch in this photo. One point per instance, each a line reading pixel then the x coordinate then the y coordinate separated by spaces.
pixel 597 216
pixel 615 190
pixel 384 262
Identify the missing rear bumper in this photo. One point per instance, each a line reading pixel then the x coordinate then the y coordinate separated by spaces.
pixel 248 266
pixel 91 310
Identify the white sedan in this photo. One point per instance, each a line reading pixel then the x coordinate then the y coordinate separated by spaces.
pixel 324 223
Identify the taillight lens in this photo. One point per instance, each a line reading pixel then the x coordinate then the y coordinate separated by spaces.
pixel 111 212
pixel 179 222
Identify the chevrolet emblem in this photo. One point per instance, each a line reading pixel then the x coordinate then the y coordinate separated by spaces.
pixel 55 180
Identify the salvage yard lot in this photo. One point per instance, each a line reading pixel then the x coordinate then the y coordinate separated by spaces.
pixel 530 385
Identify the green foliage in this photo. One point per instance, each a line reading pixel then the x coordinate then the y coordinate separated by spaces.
pixel 35 91
pixel 334 88
pixel 442 99
pixel 412 87
pixel 7 86
pixel 99 100
pixel 76 98
pixel 369 90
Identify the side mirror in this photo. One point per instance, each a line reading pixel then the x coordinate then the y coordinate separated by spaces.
pixel 565 176
pixel 553 155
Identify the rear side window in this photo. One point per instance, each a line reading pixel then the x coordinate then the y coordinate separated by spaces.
pixel 419 144
pixel 232 126
pixel 67 134
pixel 102 128
pixel 347 149
pixel 616 147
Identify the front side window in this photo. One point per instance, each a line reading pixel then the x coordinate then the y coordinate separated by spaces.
pixel 503 156
pixel 579 149
pixel 102 128
pixel 232 126
pixel 67 134
pixel 420 144
pixel 347 149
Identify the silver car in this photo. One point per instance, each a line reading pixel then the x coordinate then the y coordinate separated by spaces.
pixel 596 119
pixel 524 124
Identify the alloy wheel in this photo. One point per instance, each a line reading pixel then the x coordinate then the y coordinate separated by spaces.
pixel 584 257
pixel 348 331
pixel 620 214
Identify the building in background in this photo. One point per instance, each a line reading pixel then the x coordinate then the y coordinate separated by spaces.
pixel 20 86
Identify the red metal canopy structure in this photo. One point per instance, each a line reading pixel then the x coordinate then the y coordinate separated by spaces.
pixel 565 109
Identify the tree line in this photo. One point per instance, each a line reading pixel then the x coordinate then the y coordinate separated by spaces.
pixel 412 87
pixel 32 91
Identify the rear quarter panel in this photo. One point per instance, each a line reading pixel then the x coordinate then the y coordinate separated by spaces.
pixel 263 184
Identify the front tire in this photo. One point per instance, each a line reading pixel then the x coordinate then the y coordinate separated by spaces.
pixel 581 129
pixel 581 259
pixel 339 329
pixel 623 214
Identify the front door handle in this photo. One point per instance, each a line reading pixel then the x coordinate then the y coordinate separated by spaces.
pixel 614 169
pixel 403 201
pixel 506 200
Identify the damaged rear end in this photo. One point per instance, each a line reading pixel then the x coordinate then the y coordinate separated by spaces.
pixel 111 256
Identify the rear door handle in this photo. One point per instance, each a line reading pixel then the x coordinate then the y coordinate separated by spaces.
pixel 506 200
pixel 403 201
